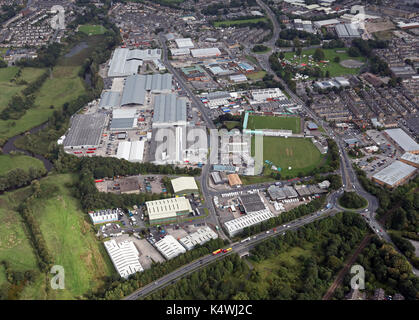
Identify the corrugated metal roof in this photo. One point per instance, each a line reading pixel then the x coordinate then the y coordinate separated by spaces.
pixel 402 139
pixel 134 90
pixel 110 99
pixel 168 108
pixel 122 123
pixel 394 173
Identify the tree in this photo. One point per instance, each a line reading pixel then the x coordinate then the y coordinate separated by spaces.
pixel 318 54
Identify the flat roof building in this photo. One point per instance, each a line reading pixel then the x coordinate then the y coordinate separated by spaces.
pixel 184 185
pixel 124 256
pixel 237 225
pixel 167 210
pixel 125 62
pixel 85 131
pixel 403 140
pixel 169 110
pixel 169 247
pixel 184 43
pixel 252 203
pixel 205 52
pixel 410 159
pixel 234 180
pixel 199 237
pixel 395 174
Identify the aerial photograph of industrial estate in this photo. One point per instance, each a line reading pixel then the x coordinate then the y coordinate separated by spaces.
pixel 209 150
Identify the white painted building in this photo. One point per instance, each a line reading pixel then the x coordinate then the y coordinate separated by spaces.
pixel 237 225
pixel 124 256
pixel 169 247
pixel 103 216
pixel 201 236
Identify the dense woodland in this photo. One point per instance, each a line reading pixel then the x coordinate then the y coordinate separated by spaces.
pixel 352 200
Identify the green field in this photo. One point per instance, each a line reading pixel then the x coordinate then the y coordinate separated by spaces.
pixel 69 237
pixel 92 29
pixel 8 89
pixel 9 162
pixel 267 122
pixel 63 86
pixel 256 75
pixel 232 124
pixel 335 69
pixel 298 153
pixel 229 23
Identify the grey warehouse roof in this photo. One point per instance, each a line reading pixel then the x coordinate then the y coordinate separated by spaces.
pixel 137 85
pixel 394 173
pixel 86 130
pixel 169 108
pixel 347 30
pixel 402 139
pixel 122 123
pixel 110 99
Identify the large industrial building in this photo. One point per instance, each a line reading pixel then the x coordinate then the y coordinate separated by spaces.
pixel 169 110
pixel 124 256
pixel 85 131
pixel 132 151
pixel 205 53
pixel 347 30
pixel 252 203
pixel 103 216
pixel 183 43
pixel 123 119
pixel 137 86
pixel 184 185
pixel 403 140
pixel 110 100
pixel 264 94
pixel 395 174
pixel 125 62
pixel 410 159
pixel 168 210
pixel 199 237
pixel 169 247
pixel 237 225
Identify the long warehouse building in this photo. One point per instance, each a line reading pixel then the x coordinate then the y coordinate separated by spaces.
pixel 124 256
pixel 237 225
pixel 395 174
pixel 168 210
pixel 403 140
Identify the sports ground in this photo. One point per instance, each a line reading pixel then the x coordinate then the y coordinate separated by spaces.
pixel 269 122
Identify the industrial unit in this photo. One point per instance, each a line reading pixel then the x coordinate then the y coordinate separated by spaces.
pixel 124 256
pixel 403 140
pixel 168 210
pixel 410 159
pixel 85 131
pixel 132 151
pixel 169 247
pixel 103 216
pixel 199 237
pixel 395 174
pixel 236 226
pixel 169 110
pixel 184 185
pixel 252 203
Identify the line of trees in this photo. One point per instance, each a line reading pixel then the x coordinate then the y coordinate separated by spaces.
pixel 15 278
pixel 18 177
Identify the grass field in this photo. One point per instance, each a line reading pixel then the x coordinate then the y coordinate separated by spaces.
pixel 232 124
pixel 298 153
pixel 238 22
pixel 335 69
pixel 266 122
pixel 9 162
pixel 9 89
pixel 63 86
pixel 256 75
pixel 92 29
pixel 70 240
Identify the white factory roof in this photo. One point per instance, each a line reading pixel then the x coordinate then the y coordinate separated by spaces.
pixel 237 225
pixel 262 94
pixel 167 208
pixel 184 43
pixel 328 22
pixel 124 256
pixel 132 151
pixel 402 139
pixel 180 51
pixel 123 113
pixel 125 62
pixel 414 158
pixel 205 52
pixel 394 173
pixel 169 247
pixel 201 236
pixel 238 78
pixel 184 183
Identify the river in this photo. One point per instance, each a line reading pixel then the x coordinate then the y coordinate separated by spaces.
pixel 10 146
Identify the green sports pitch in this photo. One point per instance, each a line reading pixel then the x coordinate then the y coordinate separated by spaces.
pixel 270 122
pixel 92 29
pixel 293 155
